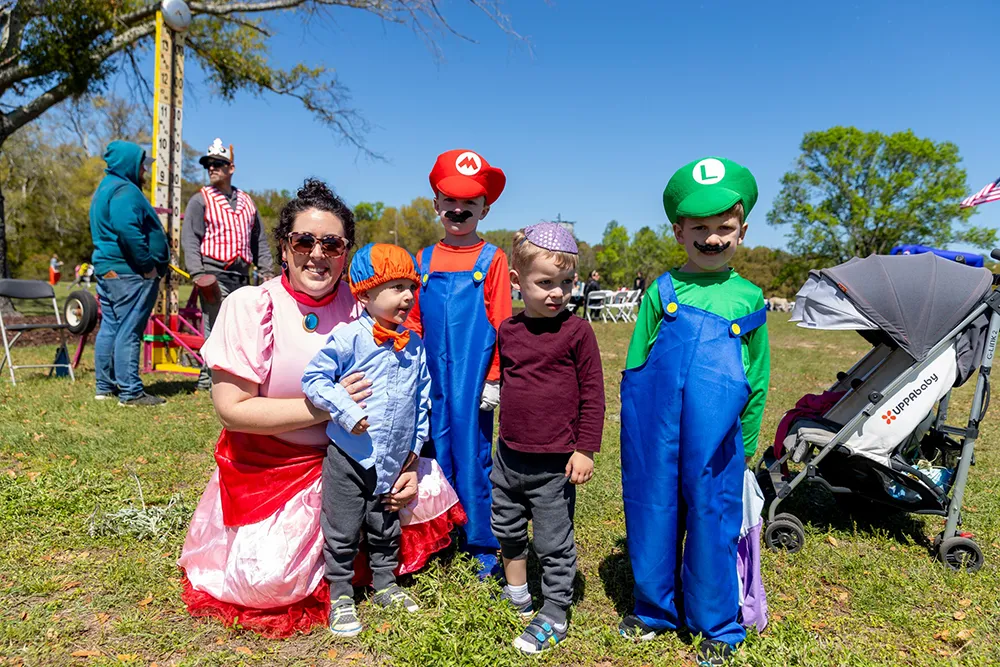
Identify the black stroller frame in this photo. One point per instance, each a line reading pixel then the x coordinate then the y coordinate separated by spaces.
pixel 957 552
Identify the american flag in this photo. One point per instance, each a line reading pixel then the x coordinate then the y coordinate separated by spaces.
pixel 989 193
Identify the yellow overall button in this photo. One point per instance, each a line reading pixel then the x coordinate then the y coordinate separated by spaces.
pixel 478 275
pixel 425 277
pixel 736 329
pixel 671 307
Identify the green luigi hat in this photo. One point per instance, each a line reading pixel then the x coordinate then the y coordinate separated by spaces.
pixel 708 187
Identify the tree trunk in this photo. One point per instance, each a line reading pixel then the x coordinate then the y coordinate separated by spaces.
pixel 5 304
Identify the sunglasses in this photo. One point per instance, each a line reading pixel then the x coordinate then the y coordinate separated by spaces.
pixel 215 164
pixel 302 243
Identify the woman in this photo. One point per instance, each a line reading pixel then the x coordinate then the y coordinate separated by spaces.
pixel 254 548
pixel 640 282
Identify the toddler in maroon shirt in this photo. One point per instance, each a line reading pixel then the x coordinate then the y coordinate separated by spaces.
pixel 551 420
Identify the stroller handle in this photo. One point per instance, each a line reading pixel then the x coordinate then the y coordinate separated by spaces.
pixel 995 254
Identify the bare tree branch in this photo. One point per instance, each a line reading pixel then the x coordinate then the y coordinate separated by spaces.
pixel 246 24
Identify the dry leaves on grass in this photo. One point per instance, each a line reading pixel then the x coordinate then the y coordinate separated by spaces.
pixel 966 634
pixel 964 602
pixel 958 615
pixel 243 649
pixel 331 654
pixel 83 653
pixel 126 657
pixel 146 600
pixel 831 540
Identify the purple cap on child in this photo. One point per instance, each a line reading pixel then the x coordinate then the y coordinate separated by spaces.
pixel 551 236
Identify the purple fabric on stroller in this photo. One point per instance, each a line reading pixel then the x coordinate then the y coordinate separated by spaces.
pixel 753 611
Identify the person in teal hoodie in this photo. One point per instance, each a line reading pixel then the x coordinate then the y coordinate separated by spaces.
pixel 130 256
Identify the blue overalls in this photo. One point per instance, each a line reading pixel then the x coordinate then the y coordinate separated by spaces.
pixel 460 341
pixel 682 469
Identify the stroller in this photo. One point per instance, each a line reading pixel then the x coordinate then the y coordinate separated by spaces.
pixel 879 432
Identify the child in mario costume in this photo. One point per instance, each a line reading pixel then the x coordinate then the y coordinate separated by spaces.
pixel 693 395
pixel 464 296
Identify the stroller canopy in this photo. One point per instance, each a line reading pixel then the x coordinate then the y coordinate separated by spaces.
pixel 915 299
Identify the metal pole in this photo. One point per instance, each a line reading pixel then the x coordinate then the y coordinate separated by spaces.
pixel 955 508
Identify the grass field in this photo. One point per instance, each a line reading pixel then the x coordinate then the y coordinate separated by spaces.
pixel 863 591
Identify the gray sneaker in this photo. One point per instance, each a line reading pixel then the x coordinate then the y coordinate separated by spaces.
pixel 142 399
pixel 393 595
pixel 344 620
pixel 540 635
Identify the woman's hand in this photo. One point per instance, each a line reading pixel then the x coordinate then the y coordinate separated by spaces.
pixel 357 386
pixel 403 491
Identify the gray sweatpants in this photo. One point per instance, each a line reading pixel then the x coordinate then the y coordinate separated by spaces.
pixel 534 487
pixel 350 503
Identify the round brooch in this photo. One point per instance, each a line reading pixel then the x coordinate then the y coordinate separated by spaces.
pixel 310 322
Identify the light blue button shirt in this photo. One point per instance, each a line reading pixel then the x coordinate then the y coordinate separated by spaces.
pixel 397 410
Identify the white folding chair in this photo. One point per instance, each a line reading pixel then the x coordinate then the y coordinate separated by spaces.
pixel 30 289
pixel 614 305
pixel 597 304
pixel 630 304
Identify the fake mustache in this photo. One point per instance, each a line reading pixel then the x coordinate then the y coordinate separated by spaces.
pixel 458 217
pixel 712 249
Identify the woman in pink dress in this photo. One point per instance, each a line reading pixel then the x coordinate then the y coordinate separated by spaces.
pixel 253 552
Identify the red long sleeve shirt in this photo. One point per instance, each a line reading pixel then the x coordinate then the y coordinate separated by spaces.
pixel 551 385
pixel 496 288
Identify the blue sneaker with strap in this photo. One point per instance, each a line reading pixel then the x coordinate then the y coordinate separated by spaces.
pixel 541 634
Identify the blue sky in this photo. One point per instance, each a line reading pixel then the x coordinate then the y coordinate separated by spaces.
pixel 612 97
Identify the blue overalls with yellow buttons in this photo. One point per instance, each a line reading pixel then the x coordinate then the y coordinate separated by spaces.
pixel 460 341
pixel 682 469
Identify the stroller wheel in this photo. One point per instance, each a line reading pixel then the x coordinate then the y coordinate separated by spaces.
pixel 785 532
pixel 961 553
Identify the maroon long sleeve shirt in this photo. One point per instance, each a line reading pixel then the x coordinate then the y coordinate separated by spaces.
pixel 551 385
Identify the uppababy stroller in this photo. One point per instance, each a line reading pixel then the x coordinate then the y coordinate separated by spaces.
pixel 875 433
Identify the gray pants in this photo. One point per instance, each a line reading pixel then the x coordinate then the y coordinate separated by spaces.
pixel 229 282
pixel 350 504
pixel 534 487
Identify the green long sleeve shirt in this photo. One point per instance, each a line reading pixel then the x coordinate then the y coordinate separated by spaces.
pixel 730 296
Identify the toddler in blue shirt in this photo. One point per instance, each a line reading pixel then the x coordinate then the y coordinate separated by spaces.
pixel 373 451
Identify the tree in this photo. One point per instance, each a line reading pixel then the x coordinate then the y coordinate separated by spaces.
pixel 655 252
pixel 53 50
pixel 854 193
pixel 612 258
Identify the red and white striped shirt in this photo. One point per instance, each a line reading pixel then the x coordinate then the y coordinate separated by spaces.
pixel 227 231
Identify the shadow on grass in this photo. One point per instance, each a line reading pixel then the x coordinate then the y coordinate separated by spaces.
pixel 616 575
pixel 169 388
pixel 824 511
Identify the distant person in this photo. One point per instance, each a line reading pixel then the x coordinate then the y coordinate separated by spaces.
pixel 640 282
pixel 593 284
pixel 130 256
pixel 222 236
pixel 55 269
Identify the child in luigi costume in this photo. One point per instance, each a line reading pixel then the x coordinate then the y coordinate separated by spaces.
pixel 464 296
pixel 693 395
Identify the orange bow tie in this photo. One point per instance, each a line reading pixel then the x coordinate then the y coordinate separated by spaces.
pixel 382 335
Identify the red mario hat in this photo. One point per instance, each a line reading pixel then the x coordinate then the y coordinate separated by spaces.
pixel 465 174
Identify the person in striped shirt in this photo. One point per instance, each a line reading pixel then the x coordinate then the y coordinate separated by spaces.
pixel 222 235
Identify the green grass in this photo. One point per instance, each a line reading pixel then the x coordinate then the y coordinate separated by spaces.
pixel 863 591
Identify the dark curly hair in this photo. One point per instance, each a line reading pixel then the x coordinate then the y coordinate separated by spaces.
pixel 314 194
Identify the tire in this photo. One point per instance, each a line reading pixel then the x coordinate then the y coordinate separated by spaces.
pixel 785 533
pixel 961 554
pixel 80 312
